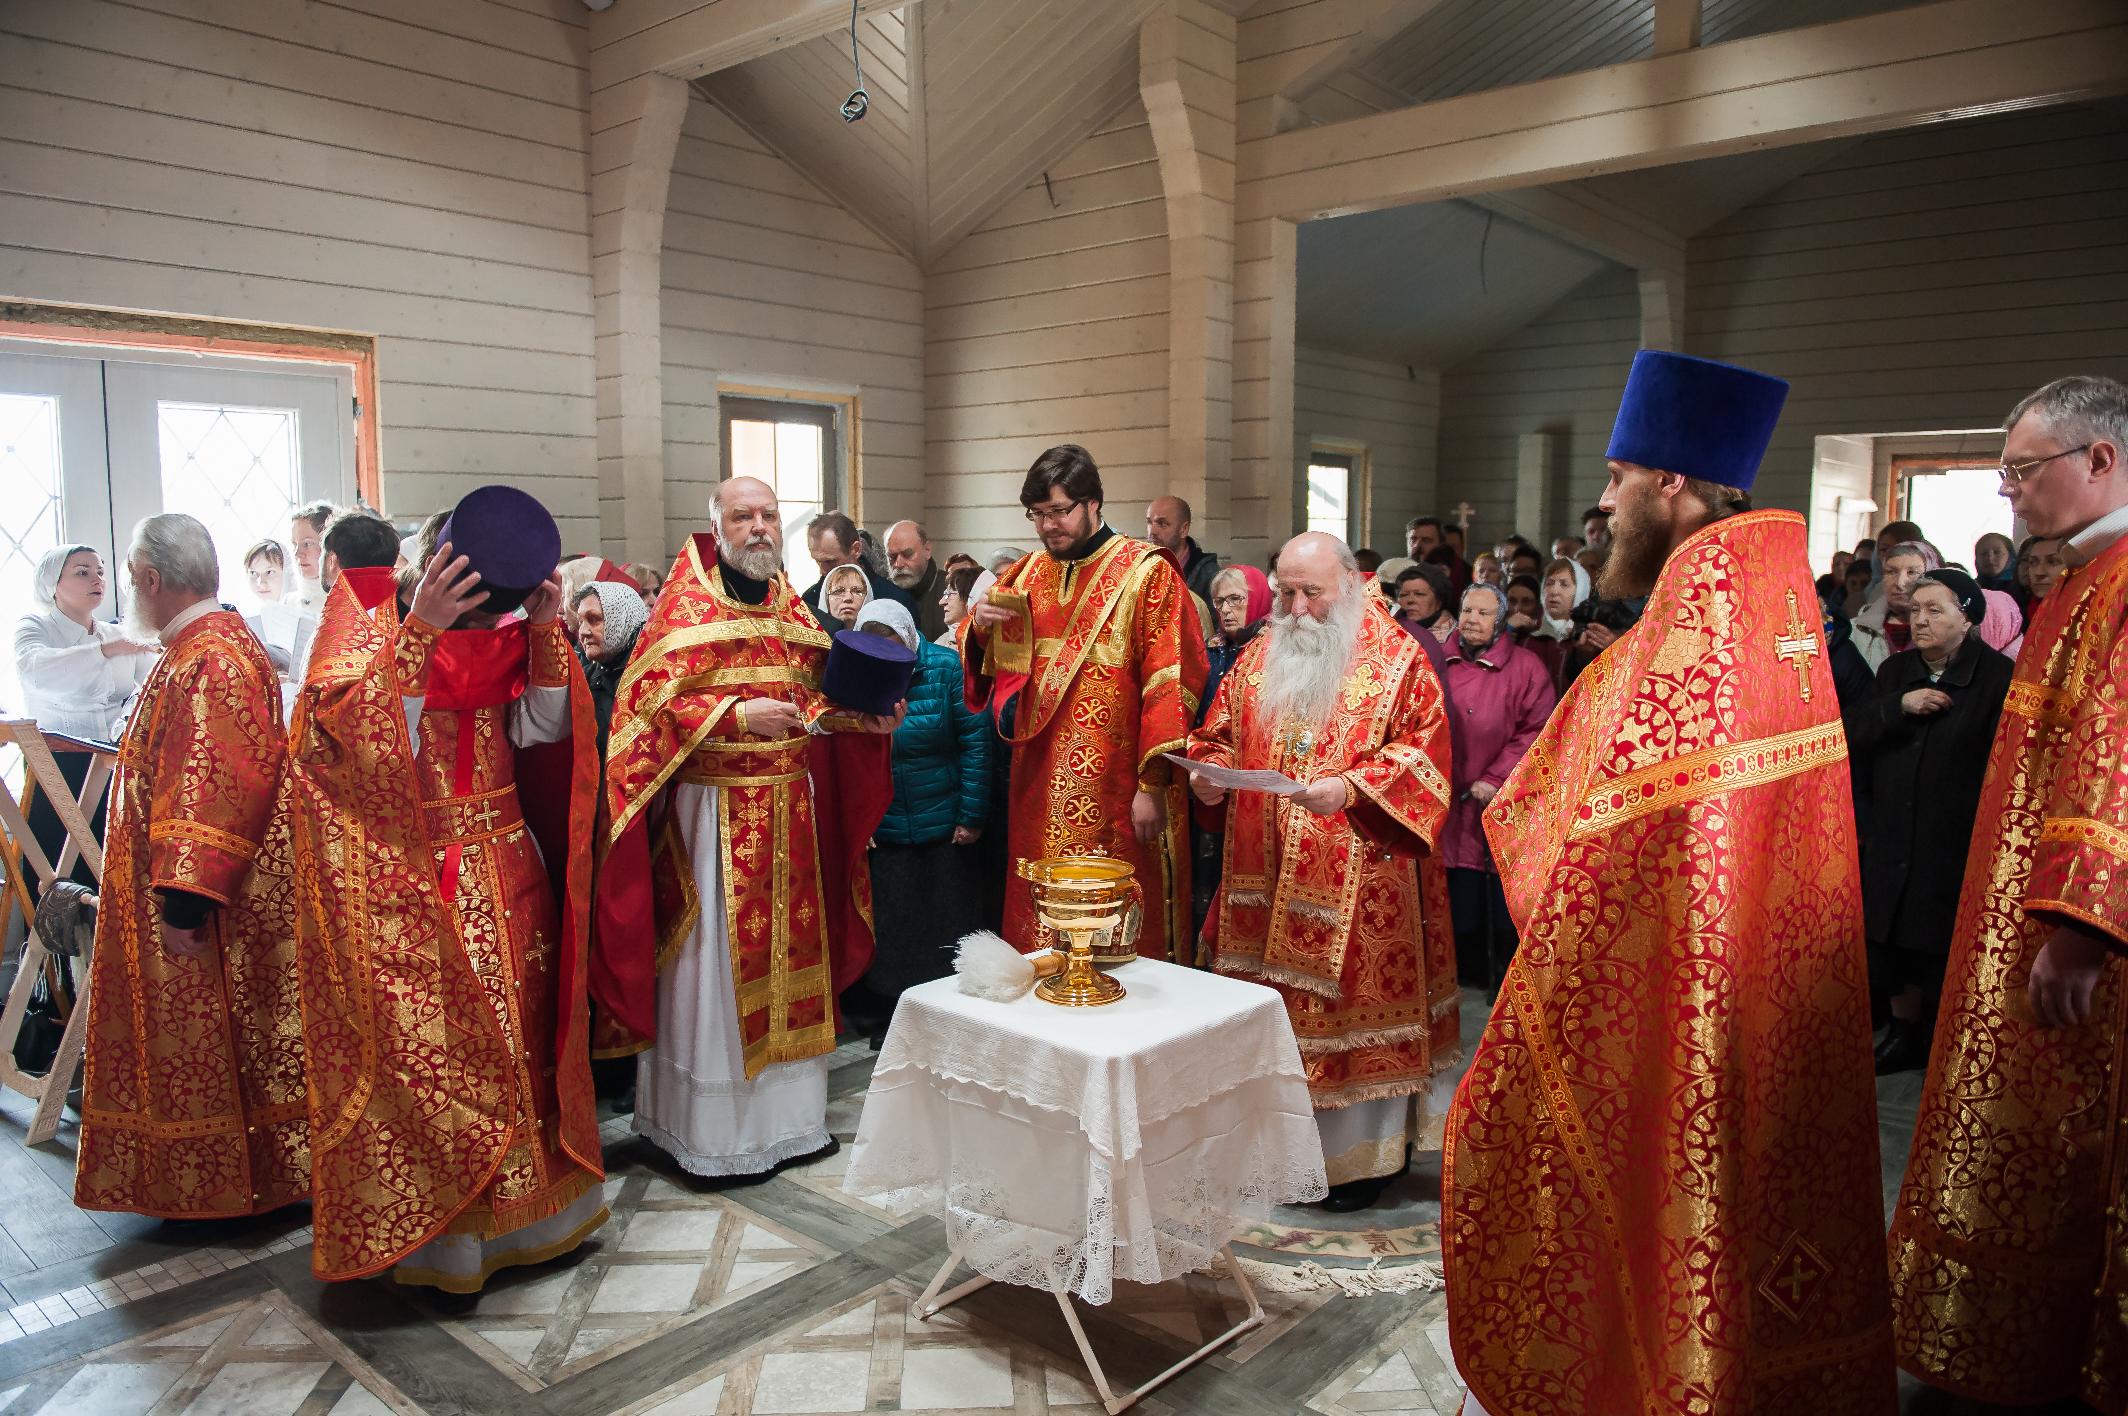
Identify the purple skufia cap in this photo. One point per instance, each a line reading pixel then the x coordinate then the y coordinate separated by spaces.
pixel 866 673
pixel 508 538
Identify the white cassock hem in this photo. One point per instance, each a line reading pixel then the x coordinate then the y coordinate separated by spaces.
pixel 693 1100
pixel 463 1263
pixel 1470 1405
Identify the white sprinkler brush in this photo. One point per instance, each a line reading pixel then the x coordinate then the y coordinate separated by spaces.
pixel 991 968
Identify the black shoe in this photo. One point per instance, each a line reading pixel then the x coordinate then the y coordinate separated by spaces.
pixel 1904 1048
pixel 823 1153
pixel 451 1305
pixel 1355 1195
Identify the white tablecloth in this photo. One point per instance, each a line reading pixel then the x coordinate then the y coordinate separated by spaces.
pixel 1070 1147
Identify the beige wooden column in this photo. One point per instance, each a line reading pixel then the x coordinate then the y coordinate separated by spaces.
pixel 635 130
pixel 1186 79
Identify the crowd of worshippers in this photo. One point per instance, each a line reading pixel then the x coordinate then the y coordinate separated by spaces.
pixel 452 834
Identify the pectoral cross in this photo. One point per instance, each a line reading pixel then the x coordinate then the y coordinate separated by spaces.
pixel 1798 645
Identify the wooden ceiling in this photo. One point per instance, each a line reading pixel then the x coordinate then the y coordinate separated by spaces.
pixel 970 101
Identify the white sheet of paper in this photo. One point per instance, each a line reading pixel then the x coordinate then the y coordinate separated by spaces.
pixel 1236 779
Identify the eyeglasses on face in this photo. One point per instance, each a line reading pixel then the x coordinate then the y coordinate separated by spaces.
pixel 2014 472
pixel 1053 515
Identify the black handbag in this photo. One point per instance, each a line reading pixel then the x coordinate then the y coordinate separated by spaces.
pixel 44 1021
pixel 65 923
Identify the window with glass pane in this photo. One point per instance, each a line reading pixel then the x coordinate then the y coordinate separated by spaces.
pixel 235 469
pixel 794 447
pixel 30 512
pixel 1330 494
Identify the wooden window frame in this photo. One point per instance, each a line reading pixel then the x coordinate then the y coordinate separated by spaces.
pixel 841 425
pixel 118 330
pixel 1360 491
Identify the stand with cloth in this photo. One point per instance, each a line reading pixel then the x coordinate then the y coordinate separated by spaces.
pixel 1069 1148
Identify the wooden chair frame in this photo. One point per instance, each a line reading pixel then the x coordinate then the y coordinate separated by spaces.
pixel 19 848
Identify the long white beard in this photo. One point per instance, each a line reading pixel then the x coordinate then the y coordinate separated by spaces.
pixel 1306 661
pixel 759 560
pixel 137 626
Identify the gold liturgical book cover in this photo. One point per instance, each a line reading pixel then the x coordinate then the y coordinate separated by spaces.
pixel 1012 643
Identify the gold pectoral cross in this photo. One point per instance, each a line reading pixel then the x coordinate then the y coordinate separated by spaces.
pixel 1798 645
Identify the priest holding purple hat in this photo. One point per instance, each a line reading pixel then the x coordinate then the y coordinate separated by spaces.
pixel 444 763
pixel 1660 1184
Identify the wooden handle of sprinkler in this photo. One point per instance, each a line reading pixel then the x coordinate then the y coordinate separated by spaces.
pixel 1049 962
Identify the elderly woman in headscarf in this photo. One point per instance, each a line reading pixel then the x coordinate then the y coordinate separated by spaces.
pixel 75 674
pixel 1241 603
pixel 609 616
pixel 1921 742
pixel 925 889
pixel 1565 584
pixel 1499 697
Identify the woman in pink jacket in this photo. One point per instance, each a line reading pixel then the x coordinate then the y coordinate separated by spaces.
pixel 1499 696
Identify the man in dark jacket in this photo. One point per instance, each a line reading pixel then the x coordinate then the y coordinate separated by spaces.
pixel 831 538
pixel 1921 741
pixel 1167 525
pixel 913 570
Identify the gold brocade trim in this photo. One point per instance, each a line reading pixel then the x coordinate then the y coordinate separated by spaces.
pixel 235 1123
pixel 1709 772
pixel 1368 1160
pixel 483 816
pixel 2038 702
pixel 482 1219
pixel 670 844
pixel 1375 1089
pixel 785 761
pixel 2083 831
pixel 685 749
pixel 519 1258
pixel 1160 679
pixel 183 830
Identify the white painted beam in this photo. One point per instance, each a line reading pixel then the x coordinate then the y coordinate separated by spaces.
pixel 1676 25
pixel 627 278
pixel 913 59
pixel 1582 218
pixel 1662 308
pixel 1950 59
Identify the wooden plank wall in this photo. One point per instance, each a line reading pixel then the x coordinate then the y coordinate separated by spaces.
pixel 768 280
pixel 409 169
pixel 1048 324
pixel 1393 410
pixel 1918 280
pixel 1560 374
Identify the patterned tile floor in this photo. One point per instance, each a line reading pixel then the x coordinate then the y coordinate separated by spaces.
pixel 785 1297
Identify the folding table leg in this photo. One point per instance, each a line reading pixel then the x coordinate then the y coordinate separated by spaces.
pixel 932 1301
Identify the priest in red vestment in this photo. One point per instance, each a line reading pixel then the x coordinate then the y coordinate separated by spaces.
pixel 1319 897
pixel 721 898
pixel 1660 1184
pixel 446 774
pixel 1091 657
pixel 192 1103
pixel 2010 1242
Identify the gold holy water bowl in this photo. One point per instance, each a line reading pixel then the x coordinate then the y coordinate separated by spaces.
pixel 1093 907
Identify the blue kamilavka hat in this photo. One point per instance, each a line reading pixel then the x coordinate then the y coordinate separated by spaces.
pixel 1696 417
pixel 508 538
pixel 867 674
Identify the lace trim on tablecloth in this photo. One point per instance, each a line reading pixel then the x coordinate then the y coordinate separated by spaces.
pixel 1105 1097
pixel 1013 1205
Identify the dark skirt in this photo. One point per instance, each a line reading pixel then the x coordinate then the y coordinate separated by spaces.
pixel 50 831
pixel 924 898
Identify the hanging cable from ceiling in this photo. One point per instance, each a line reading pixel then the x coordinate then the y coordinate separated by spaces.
pixel 859 102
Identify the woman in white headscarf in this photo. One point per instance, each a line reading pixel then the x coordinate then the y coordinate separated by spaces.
pixel 843 592
pixel 76 675
pixel 76 671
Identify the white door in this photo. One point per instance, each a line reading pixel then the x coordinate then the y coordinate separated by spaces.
pixel 91 442
pixel 239 448
pixel 55 477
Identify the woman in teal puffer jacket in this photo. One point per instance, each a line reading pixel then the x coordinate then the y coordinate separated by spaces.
pixel 926 892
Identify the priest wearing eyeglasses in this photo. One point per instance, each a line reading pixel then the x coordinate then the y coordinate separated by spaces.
pixel 1090 654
